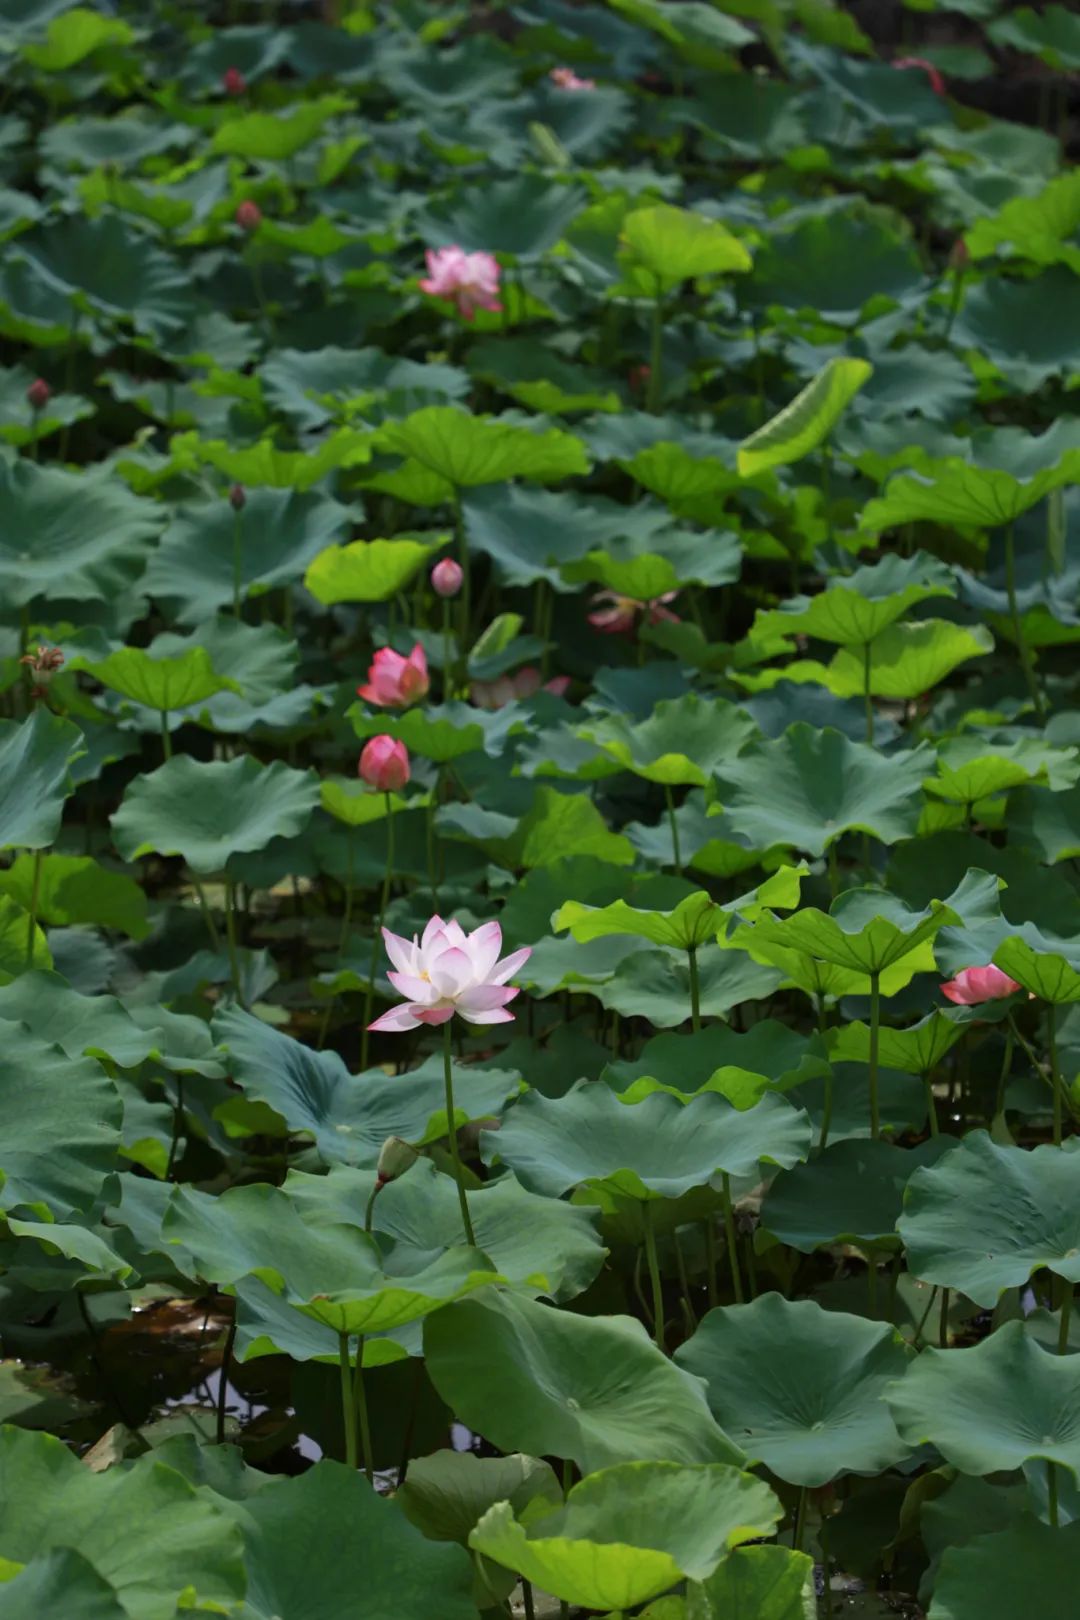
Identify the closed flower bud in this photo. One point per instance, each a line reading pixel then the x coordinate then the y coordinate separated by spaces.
pixel 38 394
pixel 238 497
pixel 395 1157
pixel 447 577
pixel 233 82
pixel 249 216
pixel 384 764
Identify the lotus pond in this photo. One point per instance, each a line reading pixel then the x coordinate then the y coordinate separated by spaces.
pixel 540 800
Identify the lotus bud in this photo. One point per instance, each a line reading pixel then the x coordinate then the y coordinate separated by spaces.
pixel 238 497
pixel 384 764
pixel 395 1157
pixel 233 82
pixel 447 577
pixel 38 394
pixel 249 216
pixel 959 258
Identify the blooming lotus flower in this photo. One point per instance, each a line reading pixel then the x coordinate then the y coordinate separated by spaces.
pixel 621 616
pixel 394 682
pixel 567 79
pixel 469 280
pixel 976 984
pixel 448 971
pixel 937 83
pixel 384 764
pixel 507 688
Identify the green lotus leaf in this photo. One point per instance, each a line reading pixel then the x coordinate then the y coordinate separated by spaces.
pixel 801 1386
pixel 36 756
pixel 19 425
pixel 73 1242
pixel 690 484
pixel 265 463
pixel 79 537
pixel 1040 969
pixel 686 23
pixel 851 1193
pixel 560 825
pixel 692 922
pixel 61 1581
pixel 355 804
pixel 469 450
pixel 662 246
pixel 368 570
pixel 678 559
pixel 1038 228
pixel 523 215
pixel 282 531
pixel 173 1538
pixel 338 1275
pixel 350 1120
pixel 958 494
pixel 905 661
pixel 993 1407
pixel 160 682
pixel 594 1389
pixel 312 387
pixel 70 39
pixel 808 787
pixel 63 1126
pixel 853 610
pixel 1047 821
pixel 756 1583
pixel 102 1027
pixel 529 533
pixel 986 1217
pixel 207 812
pixel 1053 35
pixel 706 732
pixel 915 1050
pixel 655 1148
pixel 807 421
pixel 438 732
pixel 628 1533
pixel 22 946
pixel 993 1576
pixel 970 768
pixel 741 1067
pixel 531 373
pixel 447 1493
pixel 655 984
pixel 111 269
pixel 75 889
pixel 272 137
pixel 841 264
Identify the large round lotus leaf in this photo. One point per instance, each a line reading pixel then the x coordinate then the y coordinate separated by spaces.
pixel 851 1193
pixel 995 1577
pixel 916 1050
pixel 971 768
pixel 171 1535
pixel 662 246
pixel 281 531
pixel 356 1554
pixel 1012 323
pixel 349 1117
pixel 593 1389
pixel 756 1583
pixel 741 1067
pixel 533 1241
pixel 808 787
pixel 801 1387
pixel 59 1582
pixel 102 1027
pixel 274 137
pixel 209 811
pixel 691 922
pixel 468 450
pixel 523 216
pixel 158 681
pixel 645 569
pixel 113 270
pixel 74 889
pixel 368 570
pixel 809 419
pixel 994 1406
pixel 1044 967
pixel 336 1274
pixel 905 661
pixel 682 741
pixel 656 1148
pixel 311 387
pixel 79 537
pixel 655 984
pixel 36 756
pixel 833 264
pixel 630 1532
pixel 856 608
pixel 986 1217
pixel 62 1126
pixel 445 1494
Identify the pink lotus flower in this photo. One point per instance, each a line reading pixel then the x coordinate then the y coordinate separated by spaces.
pixel 976 984
pixel 394 682
pixel 507 688
pixel 468 280
pixel 447 577
pixel 449 971
pixel 622 615
pixel 937 83
pixel 248 215
pixel 38 394
pixel 233 82
pixel 384 764
pixel 567 79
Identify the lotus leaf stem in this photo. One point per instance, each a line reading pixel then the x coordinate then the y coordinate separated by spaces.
pixel 875 1022
pixel 1018 627
pixel 35 896
pixel 732 1240
pixel 384 896
pixel 1055 1068
pixel 673 824
pixel 230 935
pixel 1065 1320
pixel 1052 1493
pixel 711 1262
pixel 653 1262
pixel 223 1380
pixel 237 559
pixel 347 1414
pixel 695 989
pixel 655 390
pixel 451 1134
pixel 360 1405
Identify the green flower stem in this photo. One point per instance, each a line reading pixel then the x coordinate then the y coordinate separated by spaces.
pixel 230 934
pixel 673 824
pixel 69 373
pixel 711 1263
pixel 800 1520
pixel 346 923
pixel 237 560
pixel 527 1599
pixel 695 989
pixel 211 926
pixel 1052 1493
pixel 177 1129
pixel 1055 1069
pixel 954 300
pixel 826 1561
pixel 871 1287
pixel 451 1136
pixel 448 652
pixel 826 1113
pixel 1065 1320
pixel 868 700
pixel 732 1240
pixel 943 1320
pixel 653 1262
pixel 931 1104
pixel 35 894
pixel 369 993
pixel 1017 625
pixel 369 1212
pixel 826 488
pixel 466 588
pixel 359 1402
pixel 684 1285
pixel 1006 1065
pixel 347 1412
pixel 875 1021
pixel 223 1380
pixel 834 871
pixel 655 389
pixel 166 739
pixel 917 1340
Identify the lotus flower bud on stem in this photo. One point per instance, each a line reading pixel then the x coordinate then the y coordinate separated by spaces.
pixel 237 497
pixel 384 764
pixel 447 577
pixel 248 215
pixel 233 82
pixel 395 1157
pixel 38 394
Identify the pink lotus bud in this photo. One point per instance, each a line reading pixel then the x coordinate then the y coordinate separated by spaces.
pixel 233 82
pixel 384 764
pixel 249 216
pixel 977 984
pixel 394 681
pixel 937 83
pixel 959 257
pixel 38 394
pixel 238 497
pixel 447 577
